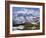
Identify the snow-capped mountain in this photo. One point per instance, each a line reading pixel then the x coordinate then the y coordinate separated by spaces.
pixel 26 16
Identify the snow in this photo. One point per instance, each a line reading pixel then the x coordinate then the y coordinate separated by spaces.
pixel 30 15
pixel 19 20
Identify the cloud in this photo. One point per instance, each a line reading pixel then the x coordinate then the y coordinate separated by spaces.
pixel 36 13
pixel 22 11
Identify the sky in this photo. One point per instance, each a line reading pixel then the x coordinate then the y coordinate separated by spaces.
pixel 23 10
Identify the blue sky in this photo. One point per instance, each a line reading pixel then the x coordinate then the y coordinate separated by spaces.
pixel 21 8
pixel 35 13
